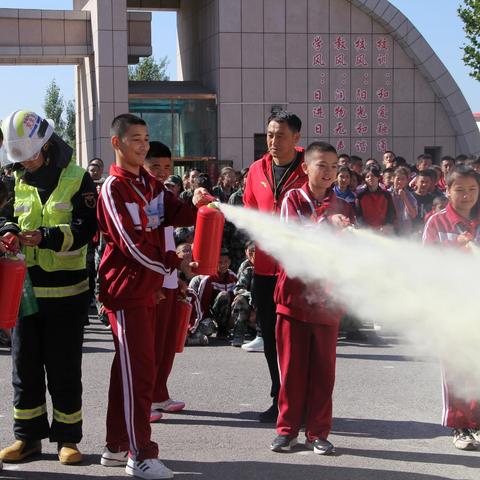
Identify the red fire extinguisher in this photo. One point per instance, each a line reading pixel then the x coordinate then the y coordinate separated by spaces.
pixel 12 276
pixel 208 239
pixel 184 312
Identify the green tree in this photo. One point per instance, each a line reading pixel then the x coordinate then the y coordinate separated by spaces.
pixel 469 12
pixel 54 105
pixel 70 132
pixel 149 70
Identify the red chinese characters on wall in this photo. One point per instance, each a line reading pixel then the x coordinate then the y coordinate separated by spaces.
pixel 382 145
pixel 318 112
pixel 340 129
pixel 361 128
pixel 339 111
pixel 361 146
pixel 340 146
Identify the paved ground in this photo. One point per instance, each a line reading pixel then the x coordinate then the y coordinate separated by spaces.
pixel 387 406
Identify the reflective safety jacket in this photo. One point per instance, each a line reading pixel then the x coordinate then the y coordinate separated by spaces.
pixel 56 212
pixel 59 199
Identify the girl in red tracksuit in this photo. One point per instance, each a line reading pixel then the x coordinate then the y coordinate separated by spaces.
pixel 307 319
pixel 375 208
pixel 458 225
pixel 131 208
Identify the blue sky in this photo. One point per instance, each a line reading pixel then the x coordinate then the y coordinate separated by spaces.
pixel 435 19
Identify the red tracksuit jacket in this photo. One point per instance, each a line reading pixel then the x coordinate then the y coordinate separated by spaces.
pixel 260 195
pixel 295 299
pixel 131 211
pixel 375 209
pixel 211 285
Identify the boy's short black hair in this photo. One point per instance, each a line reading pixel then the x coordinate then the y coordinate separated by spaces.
pixel 353 160
pixel 323 147
pixel 344 155
pixel 428 172
pixel 389 151
pixel 400 162
pixel 461 157
pixel 389 170
pixel 372 169
pixel 282 116
pixel 203 181
pixel 123 122
pixel 344 170
pixel 424 156
pixel 448 158
pixel 96 159
pixel 159 150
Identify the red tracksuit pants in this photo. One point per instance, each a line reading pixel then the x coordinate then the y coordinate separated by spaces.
pixel 458 412
pixel 131 382
pixel 306 359
pixel 165 342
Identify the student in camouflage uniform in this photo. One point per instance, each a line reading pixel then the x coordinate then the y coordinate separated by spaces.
pixel 242 306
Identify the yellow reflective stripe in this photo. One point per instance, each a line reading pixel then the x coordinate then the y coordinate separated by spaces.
pixel 29 413
pixel 67 237
pixel 67 417
pixel 59 292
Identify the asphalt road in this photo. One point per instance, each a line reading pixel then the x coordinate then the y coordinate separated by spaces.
pixel 387 406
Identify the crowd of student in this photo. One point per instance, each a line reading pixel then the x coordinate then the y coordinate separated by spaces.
pixel 139 263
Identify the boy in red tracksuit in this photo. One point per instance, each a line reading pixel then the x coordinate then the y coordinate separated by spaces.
pixel 131 208
pixel 307 318
pixel 159 164
pixel 268 180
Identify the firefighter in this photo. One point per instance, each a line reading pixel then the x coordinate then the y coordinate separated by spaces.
pixel 54 218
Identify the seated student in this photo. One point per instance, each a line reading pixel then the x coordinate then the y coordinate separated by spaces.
pixel 173 183
pixel 356 181
pixel 355 164
pixel 307 330
pixel 342 185
pixel 242 306
pixel 422 195
pixel 439 204
pixel 226 184
pixel 216 295
pixel 237 197
pixel 404 201
pixel 387 178
pixel 424 161
pixel 375 207
pixel 474 163
pixel 457 226
pixel 447 164
pixel 195 336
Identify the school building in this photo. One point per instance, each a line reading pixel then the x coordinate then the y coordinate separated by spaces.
pixel 357 72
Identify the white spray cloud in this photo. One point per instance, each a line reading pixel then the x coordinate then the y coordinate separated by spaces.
pixel 428 294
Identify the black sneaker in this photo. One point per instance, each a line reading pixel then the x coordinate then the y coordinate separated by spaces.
pixel 283 443
pixel 270 415
pixel 320 446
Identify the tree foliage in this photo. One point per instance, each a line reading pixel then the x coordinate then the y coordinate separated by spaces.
pixel 148 69
pixel 53 106
pixel 61 112
pixel 469 12
pixel 70 119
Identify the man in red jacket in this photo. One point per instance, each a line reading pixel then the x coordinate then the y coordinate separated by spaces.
pixel 268 180
pixel 307 318
pixel 131 209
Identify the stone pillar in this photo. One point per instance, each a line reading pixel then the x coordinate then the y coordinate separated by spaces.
pixel 102 90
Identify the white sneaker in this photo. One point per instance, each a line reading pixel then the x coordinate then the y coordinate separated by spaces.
pixel 112 459
pixel 168 406
pixel 256 345
pixel 151 468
